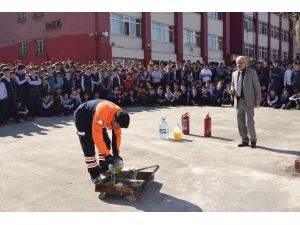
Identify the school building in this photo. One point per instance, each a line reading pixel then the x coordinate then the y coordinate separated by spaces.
pixel 206 36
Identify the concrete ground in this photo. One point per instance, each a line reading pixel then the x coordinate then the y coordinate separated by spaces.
pixel 42 167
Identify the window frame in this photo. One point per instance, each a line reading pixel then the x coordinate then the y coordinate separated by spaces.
pixel 248 24
pixel 216 41
pixel 249 48
pixel 38 14
pixel 125 20
pixel 21 17
pixel 23 51
pixel 274 32
pixel 192 36
pixel 166 32
pixel 215 15
pixel 262 52
pixel 262 28
pixel 38 48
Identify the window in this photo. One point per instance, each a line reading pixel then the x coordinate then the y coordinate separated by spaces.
pixel 191 38
pixel 215 15
pixel 297 55
pixel 215 42
pixel 248 50
pixel 23 49
pixel 262 28
pixel 125 25
pixel 38 14
pixel 53 25
pixel 162 32
pixel 40 47
pixel 248 23
pixel 274 54
pixel 22 16
pixel 274 32
pixel 285 35
pixel 262 53
pixel 285 56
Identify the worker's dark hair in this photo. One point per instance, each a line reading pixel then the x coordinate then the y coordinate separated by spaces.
pixel 123 119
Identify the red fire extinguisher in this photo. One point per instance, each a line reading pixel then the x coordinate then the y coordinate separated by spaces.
pixel 207 126
pixel 185 122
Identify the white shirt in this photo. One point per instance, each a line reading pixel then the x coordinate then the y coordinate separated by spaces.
pixel 169 96
pixel 287 77
pixel 206 74
pixel 3 91
pixel 156 76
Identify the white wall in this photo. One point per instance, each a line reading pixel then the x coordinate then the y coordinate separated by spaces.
pixel 274 43
pixel 263 16
pixel 249 37
pixel 285 46
pixel 127 53
pixel 165 17
pixel 215 56
pixel 215 27
pixel 263 40
pixel 164 47
pixel 163 56
pixel 191 52
pixel 192 21
pixel 126 42
pixel 274 20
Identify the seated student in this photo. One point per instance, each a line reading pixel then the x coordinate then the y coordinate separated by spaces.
pixel 3 104
pixel 218 96
pixel 294 100
pixel 195 96
pixel 23 112
pixel 152 98
pixel 211 88
pixel 185 98
pixel 170 97
pixel 126 99
pixel 96 95
pixel 76 100
pixel 177 95
pixel 284 98
pixel 272 99
pixel 140 97
pixel 85 98
pixel 47 105
pixel 128 83
pixel 57 102
pixel 132 98
pixel 112 95
pixel 161 97
pixel 264 96
pixel 205 98
pixel 68 107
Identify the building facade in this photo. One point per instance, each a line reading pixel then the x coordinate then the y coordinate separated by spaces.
pixel 207 36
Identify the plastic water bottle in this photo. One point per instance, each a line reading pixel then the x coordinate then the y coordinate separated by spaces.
pixel 164 129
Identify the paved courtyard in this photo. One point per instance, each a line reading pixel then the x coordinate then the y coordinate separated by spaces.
pixel 42 167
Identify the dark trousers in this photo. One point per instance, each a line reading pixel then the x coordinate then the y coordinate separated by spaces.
pixel 4 111
pixel 84 132
pixel 12 107
pixel 34 103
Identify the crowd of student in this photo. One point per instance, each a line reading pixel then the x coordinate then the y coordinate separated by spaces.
pixel 56 89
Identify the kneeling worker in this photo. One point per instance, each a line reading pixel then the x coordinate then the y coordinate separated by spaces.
pixel 92 119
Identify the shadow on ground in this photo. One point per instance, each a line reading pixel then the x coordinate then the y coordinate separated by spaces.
pixel 38 126
pixel 152 200
pixel 281 151
pixel 212 137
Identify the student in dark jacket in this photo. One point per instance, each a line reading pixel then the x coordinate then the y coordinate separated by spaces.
pixel 161 97
pixel 284 98
pixel 205 98
pixel 195 96
pixel 87 84
pixel 152 98
pixel 47 105
pixel 34 93
pixel 185 97
pixel 276 78
pixel 296 77
pixel 77 80
pixel 68 84
pixel 273 99
pixel 11 94
pixel 218 97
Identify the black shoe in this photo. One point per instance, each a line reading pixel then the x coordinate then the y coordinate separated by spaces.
pixel 253 144
pixel 243 144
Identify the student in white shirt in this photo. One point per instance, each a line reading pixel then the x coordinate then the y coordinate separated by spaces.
pixel 170 97
pixel 156 77
pixel 288 78
pixel 206 74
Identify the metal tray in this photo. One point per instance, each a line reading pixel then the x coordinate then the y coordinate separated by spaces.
pixel 128 184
